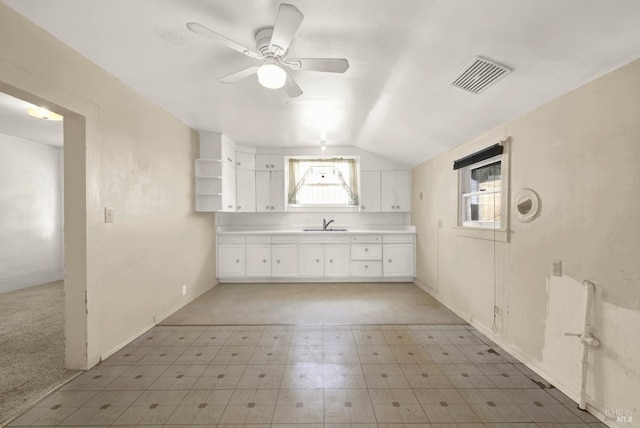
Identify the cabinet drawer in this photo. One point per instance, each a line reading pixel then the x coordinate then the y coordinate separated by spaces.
pixel 231 239
pixel 283 239
pixel 398 239
pixel 258 239
pixel 366 252
pixel 366 239
pixel 364 268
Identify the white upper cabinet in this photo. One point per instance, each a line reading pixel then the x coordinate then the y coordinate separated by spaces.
pixel 245 160
pixel 269 162
pixel 370 191
pixel 395 191
pixel 228 187
pixel 245 190
pixel 269 191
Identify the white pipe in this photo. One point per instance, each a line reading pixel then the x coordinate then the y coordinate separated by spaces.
pixel 587 341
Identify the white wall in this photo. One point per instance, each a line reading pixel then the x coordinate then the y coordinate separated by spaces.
pixel 31 220
pixel 124 152
pixel 581 154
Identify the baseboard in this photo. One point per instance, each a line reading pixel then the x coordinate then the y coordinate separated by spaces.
pixel 595 410
pixel 32 279
pixel 158 319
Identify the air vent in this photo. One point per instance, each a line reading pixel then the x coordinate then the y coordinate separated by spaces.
pixel 479 74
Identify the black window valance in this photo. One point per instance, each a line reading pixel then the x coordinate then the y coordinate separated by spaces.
pixel 479 156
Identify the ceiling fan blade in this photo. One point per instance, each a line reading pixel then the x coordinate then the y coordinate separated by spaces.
pixel 330 65
pixel 287 23
pixel 212 35
pixel 292 88
pixel 238 75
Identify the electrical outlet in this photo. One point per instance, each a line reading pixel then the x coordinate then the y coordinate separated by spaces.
pixel 439 224
pixel 184 290
pixel 108 215
pixel 420 195
pixel 557 268
pixel 154 319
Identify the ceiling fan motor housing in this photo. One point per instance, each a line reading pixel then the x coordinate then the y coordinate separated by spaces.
pixel 263 41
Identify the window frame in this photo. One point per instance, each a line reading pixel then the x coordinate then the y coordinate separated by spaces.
pixel 502 232
pixel 321 207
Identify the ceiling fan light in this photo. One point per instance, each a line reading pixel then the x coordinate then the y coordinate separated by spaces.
pixel 271 76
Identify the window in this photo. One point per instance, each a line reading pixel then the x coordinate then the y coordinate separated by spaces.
pixel 483 192
pixel 322 182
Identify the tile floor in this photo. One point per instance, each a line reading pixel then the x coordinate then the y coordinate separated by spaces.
pixel 386 376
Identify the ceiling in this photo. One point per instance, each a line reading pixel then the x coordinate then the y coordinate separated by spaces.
pixel 15 122
pixel 395 100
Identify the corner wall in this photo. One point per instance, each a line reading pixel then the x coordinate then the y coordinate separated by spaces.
pixel 128 154
pixel 31 207
pixel 581 154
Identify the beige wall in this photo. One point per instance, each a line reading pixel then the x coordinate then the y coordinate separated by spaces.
pixel 581 154
pixel 139 161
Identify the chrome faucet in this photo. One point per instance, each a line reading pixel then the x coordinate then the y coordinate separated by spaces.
pixel 325 224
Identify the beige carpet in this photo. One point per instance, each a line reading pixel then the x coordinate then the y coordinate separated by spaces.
pixel 31 346
pixel 314 303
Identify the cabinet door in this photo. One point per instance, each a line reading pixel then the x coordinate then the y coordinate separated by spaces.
pixel 370 191
pixel 395 191
pixel 398 260
pixel 284 261
pixel 263 191
pixel 277 191
pixel 228 187
pixel 230 260
pixel 245 191
pixel 245 160
pixel 263 163
pixel 311 261
pixel 337 261
pixel 403 191
pixel 258 260
pixel 276 162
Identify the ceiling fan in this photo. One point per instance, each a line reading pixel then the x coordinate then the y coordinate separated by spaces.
pixel 272 48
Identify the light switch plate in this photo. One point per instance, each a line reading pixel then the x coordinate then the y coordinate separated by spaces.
pixel 439 224
pixel 557 268
pixel 108 215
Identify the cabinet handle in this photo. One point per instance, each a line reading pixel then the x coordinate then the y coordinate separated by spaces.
pixel 230 206
pixel 366 266
pixel 362 207
pixel 389 260
pixel 264 260
pixel 366 250
pixel 278 261
pixel 238 163
pixel 267 207
pixel 272 208
pixel 271 166
pixel 237 260
pixel 330 260
pixel 317 260
pixel 266 166
pixel 239 207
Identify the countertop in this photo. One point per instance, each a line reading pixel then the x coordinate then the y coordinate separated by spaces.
pixel 298 230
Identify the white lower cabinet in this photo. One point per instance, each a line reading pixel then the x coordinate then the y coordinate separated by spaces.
pixel 258 260
pixel 310 261
pixel 284 261
pixel 336 261
pixel 398 260
pixel 366 268
pixel 230 260
pixel 315 257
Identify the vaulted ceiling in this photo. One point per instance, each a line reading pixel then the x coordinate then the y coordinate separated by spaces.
pixel 394 100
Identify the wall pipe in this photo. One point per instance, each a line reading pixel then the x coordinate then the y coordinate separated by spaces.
pixel 588 341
